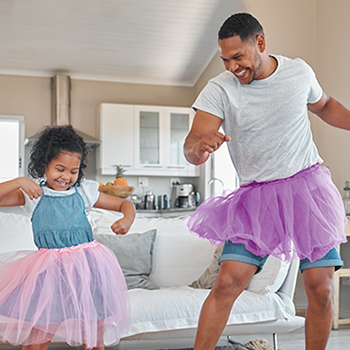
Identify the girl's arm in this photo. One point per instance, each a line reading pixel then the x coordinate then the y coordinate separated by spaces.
pixel 122 226
pixel 11 195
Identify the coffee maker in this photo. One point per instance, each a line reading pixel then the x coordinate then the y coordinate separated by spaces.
pixel 185 196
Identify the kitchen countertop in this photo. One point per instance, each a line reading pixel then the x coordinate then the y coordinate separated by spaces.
pixel 172 212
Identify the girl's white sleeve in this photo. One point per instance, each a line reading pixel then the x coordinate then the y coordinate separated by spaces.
pixel 89 191
pixel 29 204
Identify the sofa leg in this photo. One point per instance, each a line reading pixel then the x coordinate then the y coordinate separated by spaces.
pixel 274 337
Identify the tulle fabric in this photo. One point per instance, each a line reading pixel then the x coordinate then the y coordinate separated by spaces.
pixel 301 216
pixel 76 295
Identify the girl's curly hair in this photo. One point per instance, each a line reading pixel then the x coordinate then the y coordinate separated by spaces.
pixel 52 140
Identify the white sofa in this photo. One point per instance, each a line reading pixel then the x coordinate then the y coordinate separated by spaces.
pixel 161 253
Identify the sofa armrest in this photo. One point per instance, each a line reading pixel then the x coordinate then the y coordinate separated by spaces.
pixel 288 286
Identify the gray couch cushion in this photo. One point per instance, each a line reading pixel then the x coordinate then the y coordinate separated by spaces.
pixel 134 253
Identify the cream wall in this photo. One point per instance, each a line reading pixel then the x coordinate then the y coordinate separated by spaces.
pixel 31 97
pixel 289 28
pixel 27 96
pixel 333 54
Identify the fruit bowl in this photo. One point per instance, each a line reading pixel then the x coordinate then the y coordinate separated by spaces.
pixel 117 191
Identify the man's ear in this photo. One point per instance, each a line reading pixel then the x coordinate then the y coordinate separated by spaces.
pixel 261 43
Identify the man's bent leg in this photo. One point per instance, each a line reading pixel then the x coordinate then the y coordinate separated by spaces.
pixel 232 279
pixel 318 284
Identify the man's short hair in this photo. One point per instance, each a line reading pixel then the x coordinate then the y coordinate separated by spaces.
pixel 242 24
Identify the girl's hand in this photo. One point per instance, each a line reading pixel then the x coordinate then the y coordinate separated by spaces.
pixel 32 189
pixel 121 227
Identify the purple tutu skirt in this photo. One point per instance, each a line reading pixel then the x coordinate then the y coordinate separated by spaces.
pixel 302 216
pixel 76 295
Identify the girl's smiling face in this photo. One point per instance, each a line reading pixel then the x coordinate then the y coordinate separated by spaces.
pixel 62 172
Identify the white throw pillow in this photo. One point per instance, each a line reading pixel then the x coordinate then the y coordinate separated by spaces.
pixel 270 278
pixel 15 233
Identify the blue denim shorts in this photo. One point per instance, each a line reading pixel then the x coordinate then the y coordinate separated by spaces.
pixel 238 252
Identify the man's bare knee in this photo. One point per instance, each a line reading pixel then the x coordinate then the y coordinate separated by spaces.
pixel 319 287
pixel 233 278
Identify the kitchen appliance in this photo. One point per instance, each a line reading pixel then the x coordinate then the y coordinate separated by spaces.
pixel 186 197
pixel 193 199
pixel 150 200
pixel 163 202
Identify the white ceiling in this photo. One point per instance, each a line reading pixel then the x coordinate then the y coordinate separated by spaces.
pixel 167 42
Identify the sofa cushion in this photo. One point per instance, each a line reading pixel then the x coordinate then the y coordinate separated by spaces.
pixel 15 233
pixel 134 253
pixel 268 280
pixel 178 257
pixel 207 279
pixel 179 308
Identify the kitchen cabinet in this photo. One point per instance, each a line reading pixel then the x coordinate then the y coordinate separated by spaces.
pixel 115 129
pixel 149 138
pixel 145 140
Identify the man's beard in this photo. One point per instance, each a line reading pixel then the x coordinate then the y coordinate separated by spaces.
pixel 258 69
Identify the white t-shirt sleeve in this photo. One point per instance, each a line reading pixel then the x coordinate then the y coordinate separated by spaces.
pixel 210 100
pixel 89 191
pixel 316 91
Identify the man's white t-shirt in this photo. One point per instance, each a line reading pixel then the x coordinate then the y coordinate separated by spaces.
pixel 267 120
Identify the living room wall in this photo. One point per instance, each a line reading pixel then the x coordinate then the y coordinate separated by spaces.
pixel 31 97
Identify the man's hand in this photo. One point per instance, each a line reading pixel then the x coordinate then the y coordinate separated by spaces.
pixel 209 143
pixel 204 138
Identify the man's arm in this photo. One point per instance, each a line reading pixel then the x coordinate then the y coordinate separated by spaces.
pixel 203 138
pixel 331 111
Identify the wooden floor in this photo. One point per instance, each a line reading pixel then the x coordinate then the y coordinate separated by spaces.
pixel 339 340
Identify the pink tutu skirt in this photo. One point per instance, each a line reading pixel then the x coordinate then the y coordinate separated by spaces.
pixel 76 295
pixel 302 216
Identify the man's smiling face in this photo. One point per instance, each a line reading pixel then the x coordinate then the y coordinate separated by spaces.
pixel 242 58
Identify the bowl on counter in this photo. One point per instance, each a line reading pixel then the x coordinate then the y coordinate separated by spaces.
pixel 117 191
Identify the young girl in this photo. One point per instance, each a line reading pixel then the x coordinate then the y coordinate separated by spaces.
pixel 72 288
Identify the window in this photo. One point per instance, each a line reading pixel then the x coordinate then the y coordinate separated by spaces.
pixel 11 146
pixel 224 174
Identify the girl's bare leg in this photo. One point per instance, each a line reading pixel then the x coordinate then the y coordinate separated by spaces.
pixel 99 337
pixel 42 346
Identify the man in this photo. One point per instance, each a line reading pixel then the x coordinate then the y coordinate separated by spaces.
pixel 287 205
